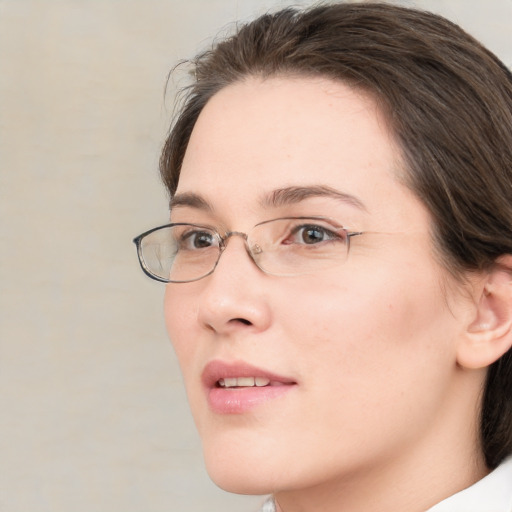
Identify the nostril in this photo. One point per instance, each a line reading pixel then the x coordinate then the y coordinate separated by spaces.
pixel 242 321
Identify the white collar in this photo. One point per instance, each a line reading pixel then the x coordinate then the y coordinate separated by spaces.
pixel 491 494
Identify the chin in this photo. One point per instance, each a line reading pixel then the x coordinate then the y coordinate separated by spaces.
pixel 244 468
pixel 239 480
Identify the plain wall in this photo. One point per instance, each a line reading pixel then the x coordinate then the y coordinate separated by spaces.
pixel 93 416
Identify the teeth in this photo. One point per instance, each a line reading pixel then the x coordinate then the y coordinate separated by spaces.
pixel 243 382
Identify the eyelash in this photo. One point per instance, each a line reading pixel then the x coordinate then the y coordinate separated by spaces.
pixel 330 233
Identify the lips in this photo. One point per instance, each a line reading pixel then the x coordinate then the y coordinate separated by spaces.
pixel 235 388
pixel 217 370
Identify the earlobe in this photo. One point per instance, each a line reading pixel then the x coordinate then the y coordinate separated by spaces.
pixel 489 335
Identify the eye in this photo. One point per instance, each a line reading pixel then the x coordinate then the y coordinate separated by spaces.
pixel 193 240
pixel 311 234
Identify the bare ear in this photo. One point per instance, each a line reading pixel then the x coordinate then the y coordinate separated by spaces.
pixel 489 335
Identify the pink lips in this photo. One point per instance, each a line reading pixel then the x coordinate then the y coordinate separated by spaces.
pixel 237 400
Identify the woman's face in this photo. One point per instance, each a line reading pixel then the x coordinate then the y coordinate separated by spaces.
pixel 360 356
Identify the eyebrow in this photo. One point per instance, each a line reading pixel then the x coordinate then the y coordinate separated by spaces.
pixel 292 195
pixel 191 200
pixel 275 199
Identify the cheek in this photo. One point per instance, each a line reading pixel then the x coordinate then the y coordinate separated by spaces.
pixel 397 299
pixel 374 337
pixel 180 319
pixel 376 365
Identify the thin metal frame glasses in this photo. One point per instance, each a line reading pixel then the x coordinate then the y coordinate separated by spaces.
pixel 288 246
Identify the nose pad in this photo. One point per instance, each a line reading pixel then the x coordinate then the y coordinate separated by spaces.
pixel 254 250
pixel 251 251
pixel 237 259
pixel 255 253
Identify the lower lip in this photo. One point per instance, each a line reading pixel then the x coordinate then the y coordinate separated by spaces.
pixel 240 400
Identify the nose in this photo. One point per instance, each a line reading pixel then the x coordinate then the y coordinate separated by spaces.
pixel 235 296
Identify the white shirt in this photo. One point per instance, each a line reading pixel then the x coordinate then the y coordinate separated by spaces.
pixel 491 494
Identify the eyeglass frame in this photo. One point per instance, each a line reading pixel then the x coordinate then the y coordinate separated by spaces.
pixel 223 243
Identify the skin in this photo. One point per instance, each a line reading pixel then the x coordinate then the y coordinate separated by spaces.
pixel 381 402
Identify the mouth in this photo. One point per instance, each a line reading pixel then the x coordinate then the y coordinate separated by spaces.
pixel 249 382
pixel 235 388
pixel 243 382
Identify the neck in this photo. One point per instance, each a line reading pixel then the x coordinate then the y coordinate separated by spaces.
pixel 385 489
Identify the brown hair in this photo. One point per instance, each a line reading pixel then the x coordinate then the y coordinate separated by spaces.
pixel 449 103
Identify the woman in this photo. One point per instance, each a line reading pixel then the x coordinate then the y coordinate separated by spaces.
pixel 339 262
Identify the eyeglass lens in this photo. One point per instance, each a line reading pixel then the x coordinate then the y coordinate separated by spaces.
pixel 290 246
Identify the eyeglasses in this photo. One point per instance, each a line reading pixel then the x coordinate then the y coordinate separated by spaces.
pixel 183 252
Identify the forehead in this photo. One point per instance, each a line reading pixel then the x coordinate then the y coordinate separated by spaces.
pixel 258 135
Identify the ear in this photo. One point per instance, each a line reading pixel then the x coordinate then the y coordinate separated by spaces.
pixel 489 334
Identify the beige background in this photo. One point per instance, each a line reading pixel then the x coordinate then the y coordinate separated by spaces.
pixel 92 412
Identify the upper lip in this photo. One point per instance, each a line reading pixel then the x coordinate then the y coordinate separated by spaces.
pixel 217 369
